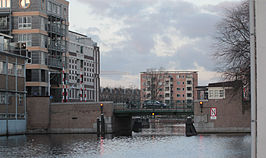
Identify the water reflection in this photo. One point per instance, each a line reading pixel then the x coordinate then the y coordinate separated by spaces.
pixel 150 143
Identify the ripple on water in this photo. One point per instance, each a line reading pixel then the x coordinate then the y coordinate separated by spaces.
pixel 141 146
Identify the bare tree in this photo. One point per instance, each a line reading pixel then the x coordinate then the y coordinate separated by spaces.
pixel 155 84
pixel 232 44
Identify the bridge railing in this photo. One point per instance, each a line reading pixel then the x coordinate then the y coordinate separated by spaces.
pixel 124 106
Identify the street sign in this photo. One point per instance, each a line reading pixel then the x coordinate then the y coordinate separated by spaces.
pixel 213 113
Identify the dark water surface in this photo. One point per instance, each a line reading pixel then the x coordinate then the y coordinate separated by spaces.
pixel 142 145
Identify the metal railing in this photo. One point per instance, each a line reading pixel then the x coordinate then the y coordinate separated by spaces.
pixel 55 62
pixel 11 116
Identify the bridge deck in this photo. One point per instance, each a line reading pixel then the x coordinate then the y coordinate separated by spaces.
pixel 139 112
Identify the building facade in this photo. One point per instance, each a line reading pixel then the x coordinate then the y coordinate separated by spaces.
pixel 83 68
pixel 43 26
pixel 170 87
pixel 12 88
pixel 223 108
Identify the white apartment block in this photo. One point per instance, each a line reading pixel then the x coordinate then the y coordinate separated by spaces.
pixel 83 68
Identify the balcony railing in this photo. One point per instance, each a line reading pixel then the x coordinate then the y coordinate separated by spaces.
pixel 55 62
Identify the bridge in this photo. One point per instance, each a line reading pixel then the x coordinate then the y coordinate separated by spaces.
pixel 123 122
pixel 170 110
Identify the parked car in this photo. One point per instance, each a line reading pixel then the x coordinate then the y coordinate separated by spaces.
pixel 150 104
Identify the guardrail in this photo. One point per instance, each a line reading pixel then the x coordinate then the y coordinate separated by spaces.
pixel 11 116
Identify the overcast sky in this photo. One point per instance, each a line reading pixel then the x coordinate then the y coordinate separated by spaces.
pixel 134 35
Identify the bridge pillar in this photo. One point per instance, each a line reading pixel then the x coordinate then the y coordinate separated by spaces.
pixel 123 125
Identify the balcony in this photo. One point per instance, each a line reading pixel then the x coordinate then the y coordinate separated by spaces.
pixel 55 62
pixel 4 26
pixel 56 46
pixel 56 29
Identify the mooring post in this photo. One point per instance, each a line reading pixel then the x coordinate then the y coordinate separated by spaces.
pixel 98 127
pixel 102 121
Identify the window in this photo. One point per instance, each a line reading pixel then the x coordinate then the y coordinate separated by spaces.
pixel 189 95
pixel 178 89
pixel 27 38
pixel 20 70
pixel 59 10
pixel 20 98
pixel 43 4
pixel 54 8
pixel 24 22
pixel 11 69
pixel 189 88
pixel 3 22
pixel 4 3
pixel 43 41
pixel 189 76
pixel 189 82
pixel 43 24
pixel 210 93
pixel 2 68
pixel 3 99
pixel 178 82
pixel 49 6
pixel 178 95
pixel 24 3
pixel 216 93
pixel 221 93
pixel 65 12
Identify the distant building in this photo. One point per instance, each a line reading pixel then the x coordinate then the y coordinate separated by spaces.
pixel 43 26
pixel 12 87
pixel 120 95
pixel 224 108
pixel 83 68
pixel 170 87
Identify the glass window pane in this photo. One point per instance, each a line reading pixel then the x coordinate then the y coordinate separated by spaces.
pixel 2 67
pixel 8 3
pixel 11 69
pixel 4 3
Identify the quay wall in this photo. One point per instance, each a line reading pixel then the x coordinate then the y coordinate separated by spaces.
pixel 70 117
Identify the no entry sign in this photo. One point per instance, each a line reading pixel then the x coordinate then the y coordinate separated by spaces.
pixel 213 113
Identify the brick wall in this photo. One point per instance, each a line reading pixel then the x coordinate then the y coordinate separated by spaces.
pixel 79 117
pixel 66 117
pixel 38 113
pixel 233 115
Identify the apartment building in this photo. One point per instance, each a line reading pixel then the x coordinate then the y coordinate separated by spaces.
pixel 43 26
pixel 12 87
pixel 83 68
pixel 170 87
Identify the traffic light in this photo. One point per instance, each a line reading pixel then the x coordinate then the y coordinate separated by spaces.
pixel 101 105
pixel 201 106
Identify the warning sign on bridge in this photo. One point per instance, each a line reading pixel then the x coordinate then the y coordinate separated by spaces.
pixel 213 113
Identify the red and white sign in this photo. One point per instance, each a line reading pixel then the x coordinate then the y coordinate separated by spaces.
pixel 213 113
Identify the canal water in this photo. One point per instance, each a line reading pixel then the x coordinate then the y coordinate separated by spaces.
pixel 167 141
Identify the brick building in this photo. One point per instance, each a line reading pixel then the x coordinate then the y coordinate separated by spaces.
pixel 224 108
pixel 43 26
pixel 12 87
pixel 170 87
pixel 83 68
